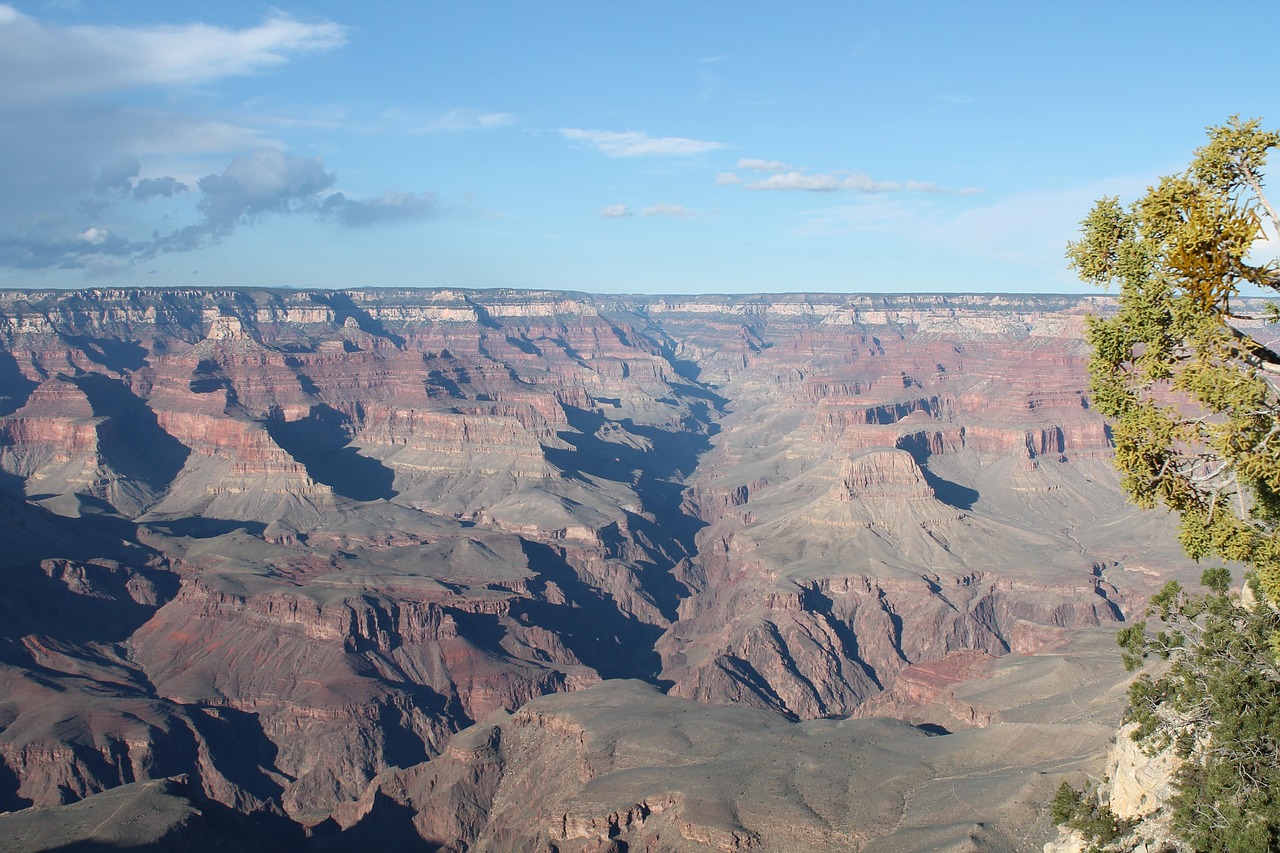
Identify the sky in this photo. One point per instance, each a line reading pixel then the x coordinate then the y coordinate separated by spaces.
pixel 642 147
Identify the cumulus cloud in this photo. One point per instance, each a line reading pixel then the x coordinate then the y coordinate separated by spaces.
pixel 467 119
pixel 725 179
pixel 390 207
pixel 664 209
pixel 118 178
pixel 615 211
pixel 151 187
pixel 633 143
pixel 266 181
pixel 39 61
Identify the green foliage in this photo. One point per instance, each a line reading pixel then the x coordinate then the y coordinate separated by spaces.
pixel 1194 403
pixel 1066 803
pixel 1218 706
pixel 1082 811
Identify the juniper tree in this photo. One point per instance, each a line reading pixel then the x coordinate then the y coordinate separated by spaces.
pixel 1194 403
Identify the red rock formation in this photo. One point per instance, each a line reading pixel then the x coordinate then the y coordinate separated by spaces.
pixel 384 515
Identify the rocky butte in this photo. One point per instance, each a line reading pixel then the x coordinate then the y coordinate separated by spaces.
pixel 519 570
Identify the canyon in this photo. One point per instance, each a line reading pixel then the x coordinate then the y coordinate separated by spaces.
pixel 527 570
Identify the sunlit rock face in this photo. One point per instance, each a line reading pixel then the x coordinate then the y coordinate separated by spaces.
pixel 282 542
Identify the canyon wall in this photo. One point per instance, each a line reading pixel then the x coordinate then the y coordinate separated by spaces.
pixel 284 543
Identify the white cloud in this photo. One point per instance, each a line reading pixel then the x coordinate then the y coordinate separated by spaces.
pixel 633 143
pixel 466 119
pixel 94 236
pixel 848 182
pixel 664 209
pixel 615 211
pixel 40 61
pixel 725 179
pixel 758 165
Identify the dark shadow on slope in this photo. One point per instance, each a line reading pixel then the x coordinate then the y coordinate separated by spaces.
pixel 238 748
pixel 196 527
pixel 951 494
pixel 15 388
pixel 80 601
pixel 816 601
pixel 589 623
pixel 483 317
pixel 654 572
pixel 744 673
pixel 320 443
pixel 100 604
pixel 343 307
pixel 388 826
pixel 438 381
pixel 305 382
pixel 214 828
pixel 132 441
pixel 209 377
pixel 525 345
pixel 9 798
pixel 32 533
pixel 112 353
pixel 483 630
pixel 655 475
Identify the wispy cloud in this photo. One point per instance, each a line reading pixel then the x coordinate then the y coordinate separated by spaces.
pixel 40 61
pixel 824 182
pixel 785 177
pixel 665 209
pixel 757 165
pixel 615 211
pixel 461 119
pixel 387 208
pixel 712 59
pixel 633 143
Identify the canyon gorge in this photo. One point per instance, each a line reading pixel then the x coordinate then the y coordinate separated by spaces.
pixel 527 570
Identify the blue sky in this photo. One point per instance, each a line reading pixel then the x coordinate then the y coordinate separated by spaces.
pixel 599 146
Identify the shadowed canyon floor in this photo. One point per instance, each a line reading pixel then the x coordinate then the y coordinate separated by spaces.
pixel 278 547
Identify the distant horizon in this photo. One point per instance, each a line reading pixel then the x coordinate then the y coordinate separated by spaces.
pixel 207 288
